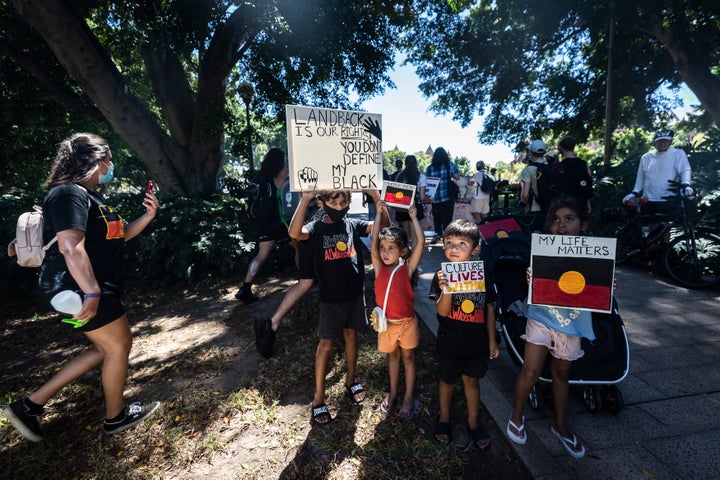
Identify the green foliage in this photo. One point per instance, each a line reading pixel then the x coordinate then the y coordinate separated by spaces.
pixel 539 70
pixel 192 239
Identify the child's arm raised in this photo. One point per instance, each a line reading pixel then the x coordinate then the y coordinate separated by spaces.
pixel 417 252
pixel 375 238
pixel 295 229
pixel 375 195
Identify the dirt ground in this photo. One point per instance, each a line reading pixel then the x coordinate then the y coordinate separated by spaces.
pixel 226 412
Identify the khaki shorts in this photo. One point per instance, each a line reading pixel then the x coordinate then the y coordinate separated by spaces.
pixel 405 334
pixel 561 345
pixel 480 205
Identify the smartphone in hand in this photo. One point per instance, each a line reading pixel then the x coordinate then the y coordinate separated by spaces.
pixel 150 186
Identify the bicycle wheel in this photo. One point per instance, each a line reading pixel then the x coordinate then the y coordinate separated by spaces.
pixel 690 267
pixel 628 238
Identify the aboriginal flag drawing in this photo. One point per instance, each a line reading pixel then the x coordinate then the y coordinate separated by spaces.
pixel 398 194
pixel 584 282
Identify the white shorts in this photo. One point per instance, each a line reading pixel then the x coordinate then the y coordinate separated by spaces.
pixel 561 345
pixel 480 205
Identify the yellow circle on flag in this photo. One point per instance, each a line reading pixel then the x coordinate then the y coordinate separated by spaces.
pixel 399 195
pixel 572 282
pixel 341 246
pixel 467 306
pixel 502 234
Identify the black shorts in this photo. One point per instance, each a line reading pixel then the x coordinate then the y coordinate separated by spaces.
pixel 451 368
pixel 109 310
pixel 335 317
pixel 273 231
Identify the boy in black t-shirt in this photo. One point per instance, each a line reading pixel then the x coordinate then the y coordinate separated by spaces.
pixel 340 272
pixel 466 334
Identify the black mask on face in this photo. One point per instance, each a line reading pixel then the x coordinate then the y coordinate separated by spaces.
pixel 335 215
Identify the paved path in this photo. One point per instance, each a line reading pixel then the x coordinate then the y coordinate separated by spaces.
pixel 669 428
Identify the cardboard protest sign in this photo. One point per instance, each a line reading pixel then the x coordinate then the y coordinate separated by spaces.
pixel 572 272
pixel 464 277
pixel 399 195
pixel 333 149
pixel 432 185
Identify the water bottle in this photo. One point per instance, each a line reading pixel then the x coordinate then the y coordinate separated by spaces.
pixel 645 231
pixel 67 301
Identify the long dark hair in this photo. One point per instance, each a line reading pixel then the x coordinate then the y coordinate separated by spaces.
pixel 77 159
pixel 272 164
pixel 411 174
pixel 400 237
pixel 440 157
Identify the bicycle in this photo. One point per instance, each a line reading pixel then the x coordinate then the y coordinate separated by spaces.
pixel 690 256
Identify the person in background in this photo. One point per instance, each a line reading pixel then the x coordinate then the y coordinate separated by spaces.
pixel 88 258
pixel 480 204
pixel 370 203
pixel 655 169
pixel 551 156
pixel 273 172
pixel 571 162
pixel 528 183
pixel 412 176
pixel 398 170
pixel 443 206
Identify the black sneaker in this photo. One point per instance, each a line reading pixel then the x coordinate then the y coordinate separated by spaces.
pixel 245 294
pixel 264 337
pixel 134 414
pixel 27 425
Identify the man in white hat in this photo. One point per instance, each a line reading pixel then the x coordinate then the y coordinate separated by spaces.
pixel 656 168
pixel 528 182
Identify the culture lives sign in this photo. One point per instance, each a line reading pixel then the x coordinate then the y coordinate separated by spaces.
pixel 333 149
pixel 399 195
pixel 464 277
pixel 572 272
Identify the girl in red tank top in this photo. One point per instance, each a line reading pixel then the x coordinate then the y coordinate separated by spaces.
pixel 389 249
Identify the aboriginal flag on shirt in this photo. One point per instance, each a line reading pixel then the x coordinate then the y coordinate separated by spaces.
pixel 398 195
pixel 572 282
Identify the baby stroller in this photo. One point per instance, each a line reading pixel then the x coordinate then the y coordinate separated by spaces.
pixel 607 358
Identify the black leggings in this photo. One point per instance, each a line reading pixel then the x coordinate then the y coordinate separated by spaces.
pixel 442 215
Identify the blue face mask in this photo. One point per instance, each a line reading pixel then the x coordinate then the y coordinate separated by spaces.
pixel 106 177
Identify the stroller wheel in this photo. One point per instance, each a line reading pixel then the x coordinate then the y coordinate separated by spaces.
pixel 612 399
pixel 592 399
pixel 535 397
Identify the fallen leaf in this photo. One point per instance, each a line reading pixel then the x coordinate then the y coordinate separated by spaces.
pixel 648 474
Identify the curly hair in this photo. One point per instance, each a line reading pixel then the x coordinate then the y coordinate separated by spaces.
pixel 77 159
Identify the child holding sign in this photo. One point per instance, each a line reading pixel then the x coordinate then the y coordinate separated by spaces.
pixel 466 334
pixel 339 270
pixel 544 333
pixel 395 264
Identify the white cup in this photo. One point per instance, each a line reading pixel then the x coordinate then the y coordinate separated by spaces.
pixel 67 301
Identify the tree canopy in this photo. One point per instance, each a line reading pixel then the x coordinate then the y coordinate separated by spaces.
pixel 533 68
pixel 160 72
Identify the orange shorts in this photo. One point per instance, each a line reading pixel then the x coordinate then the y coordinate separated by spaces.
pixel 404 333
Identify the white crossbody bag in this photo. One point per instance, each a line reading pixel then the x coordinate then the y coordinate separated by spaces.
pixel 378 320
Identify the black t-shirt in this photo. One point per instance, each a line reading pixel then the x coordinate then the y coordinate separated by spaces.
pixel 338 258
pixel 66 207
pixel 463 333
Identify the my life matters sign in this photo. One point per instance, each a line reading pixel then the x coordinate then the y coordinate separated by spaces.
pixel 334 149
pixel 572 272
pixel 464 277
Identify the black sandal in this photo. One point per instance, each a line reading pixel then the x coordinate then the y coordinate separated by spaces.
pixel 479 437
pixel 442 428
pixel 354 389
pixel 318 412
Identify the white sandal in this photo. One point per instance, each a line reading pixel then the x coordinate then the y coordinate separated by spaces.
pixel 521 438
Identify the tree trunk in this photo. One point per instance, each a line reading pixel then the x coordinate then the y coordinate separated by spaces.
pixel 176 166
pixel 690 64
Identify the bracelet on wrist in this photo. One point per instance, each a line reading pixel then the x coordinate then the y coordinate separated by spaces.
pixel 92 295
